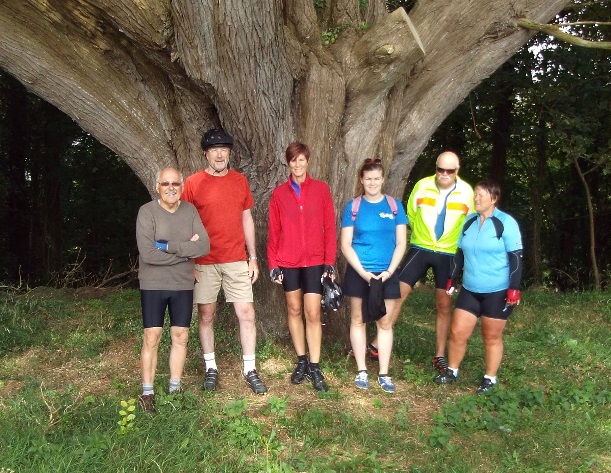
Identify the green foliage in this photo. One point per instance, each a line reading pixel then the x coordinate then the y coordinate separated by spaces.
pixel 127 416
pixel 330 36
pixel 21 320
pixel 319 5
pixel 550 380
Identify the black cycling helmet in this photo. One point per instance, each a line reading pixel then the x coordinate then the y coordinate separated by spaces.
pixel 216 137
pixel 332 295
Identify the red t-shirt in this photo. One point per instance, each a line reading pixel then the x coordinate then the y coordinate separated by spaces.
pixel 221 202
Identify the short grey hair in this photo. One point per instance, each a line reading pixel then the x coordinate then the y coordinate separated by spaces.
pixel 158 175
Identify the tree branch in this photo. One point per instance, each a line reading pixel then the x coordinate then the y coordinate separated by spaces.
pixel 556 32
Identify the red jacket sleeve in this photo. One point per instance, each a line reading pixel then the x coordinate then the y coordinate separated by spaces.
pixel 273 232
pixel 329 228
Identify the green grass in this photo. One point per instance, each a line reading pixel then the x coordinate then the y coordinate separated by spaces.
pixel 551 413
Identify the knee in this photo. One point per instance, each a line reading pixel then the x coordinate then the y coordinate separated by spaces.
pixel 205 317
pixel 246 314
pixel 444 306
pixel 385 323
pixel 294 311
pixel 312 316
pixel 492 339
pixel 180 336
pixel 151 339
pixel 457 335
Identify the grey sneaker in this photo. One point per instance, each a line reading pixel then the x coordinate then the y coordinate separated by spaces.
pixel 211 379
pixel 254 381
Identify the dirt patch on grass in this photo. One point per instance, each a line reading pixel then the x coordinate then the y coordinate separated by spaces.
pixel 116 371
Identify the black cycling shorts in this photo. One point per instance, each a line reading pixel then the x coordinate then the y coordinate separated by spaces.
pixel 356 286
pixel 417 263
pixel 307 279
pixel 491 304
pixel 154 304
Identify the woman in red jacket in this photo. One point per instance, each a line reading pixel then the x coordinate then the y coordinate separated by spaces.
pixel 301 248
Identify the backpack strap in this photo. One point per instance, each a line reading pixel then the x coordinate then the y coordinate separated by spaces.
pixel 356 203
pixel 392 204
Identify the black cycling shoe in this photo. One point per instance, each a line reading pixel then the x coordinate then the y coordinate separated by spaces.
pixel 211 379
pixel 254 381
pixel 446 378
pixel 300 372
pixel 318 380
pixel 486 386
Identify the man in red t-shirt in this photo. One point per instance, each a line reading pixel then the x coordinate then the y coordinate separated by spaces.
pixel 223 200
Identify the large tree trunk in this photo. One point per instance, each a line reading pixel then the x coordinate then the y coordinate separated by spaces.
pixel 147 77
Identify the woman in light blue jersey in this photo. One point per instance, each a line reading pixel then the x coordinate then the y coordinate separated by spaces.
pixel 490 251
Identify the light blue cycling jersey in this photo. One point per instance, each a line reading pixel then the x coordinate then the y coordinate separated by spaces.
pixel 374 237
pixel 486 263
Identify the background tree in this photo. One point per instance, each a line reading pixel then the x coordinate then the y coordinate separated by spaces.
pixel 557 113
pixel 146 78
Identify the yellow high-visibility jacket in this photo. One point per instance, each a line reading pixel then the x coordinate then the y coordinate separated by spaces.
pixel 422 214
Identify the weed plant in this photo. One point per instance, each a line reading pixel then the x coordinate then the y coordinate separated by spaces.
pixel 550 414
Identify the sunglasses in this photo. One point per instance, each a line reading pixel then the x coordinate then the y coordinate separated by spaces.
pixel 166 184
pixel 447 171
pixel 373 160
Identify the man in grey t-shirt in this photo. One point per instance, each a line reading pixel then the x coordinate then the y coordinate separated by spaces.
pixel 170 235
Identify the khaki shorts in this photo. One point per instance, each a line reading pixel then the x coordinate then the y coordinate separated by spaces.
pixel 232 277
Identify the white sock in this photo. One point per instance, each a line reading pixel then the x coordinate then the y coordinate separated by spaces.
pixel 454 371
pixel 491 378
pixel 174 385
pixel 147 389
pixel 249 363
pixel 210 361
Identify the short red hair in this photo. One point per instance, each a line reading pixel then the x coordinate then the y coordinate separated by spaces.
pixel 295 149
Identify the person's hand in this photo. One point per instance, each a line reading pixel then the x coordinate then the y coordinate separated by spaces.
pixel 161 245
pixel 276 275
pixel 253 270
pixel 450 287
pixel 513 297
pixel 194 237
pixel 384 275
pixel 328 270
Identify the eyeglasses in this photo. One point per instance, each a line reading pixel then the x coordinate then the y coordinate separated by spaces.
pixel 166 184
pixel 373 161
pixel 447 171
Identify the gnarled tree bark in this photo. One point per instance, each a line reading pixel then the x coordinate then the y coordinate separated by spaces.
pixel 147 77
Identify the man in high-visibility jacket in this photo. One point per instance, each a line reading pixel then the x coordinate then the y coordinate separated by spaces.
pixel 437 208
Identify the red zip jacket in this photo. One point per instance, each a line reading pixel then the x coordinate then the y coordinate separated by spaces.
pixel 301 229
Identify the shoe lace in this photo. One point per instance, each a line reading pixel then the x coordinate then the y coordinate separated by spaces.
pixel 385 379
pixel 361 376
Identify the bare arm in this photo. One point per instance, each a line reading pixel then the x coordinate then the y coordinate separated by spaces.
pixel 397 255
pixel 249 235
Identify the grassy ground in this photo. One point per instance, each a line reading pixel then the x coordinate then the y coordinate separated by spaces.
pixel 69 375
